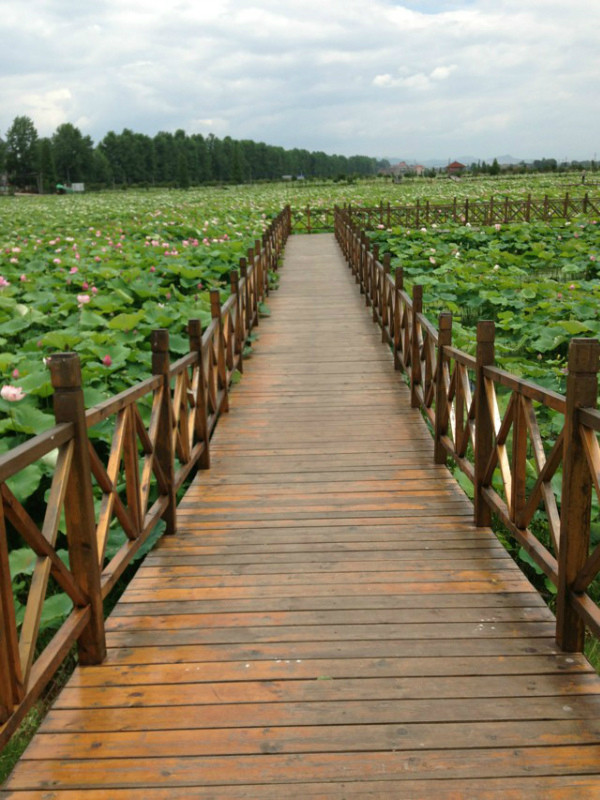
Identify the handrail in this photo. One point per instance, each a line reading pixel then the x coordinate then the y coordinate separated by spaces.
pixel 474 212
pixel 318 219
pixel 161 432
pixel 487 421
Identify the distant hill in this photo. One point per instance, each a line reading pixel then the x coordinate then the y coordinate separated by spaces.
pixel 436 163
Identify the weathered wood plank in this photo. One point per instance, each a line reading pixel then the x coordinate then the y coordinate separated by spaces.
pixel 328 622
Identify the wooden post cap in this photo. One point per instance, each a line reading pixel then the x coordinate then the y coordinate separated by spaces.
pixel 584 355
pixel 215 303
pixel 159 340
pixel 65 370
pixel 486 330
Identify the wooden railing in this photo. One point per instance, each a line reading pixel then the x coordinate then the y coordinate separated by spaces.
pixel 488 422
pixel 474 212
pixel 307 219
pixel 118 469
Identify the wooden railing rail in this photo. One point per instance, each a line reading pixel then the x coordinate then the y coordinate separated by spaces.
pixel 313 219
pixel 114 486
pixel 490 422
pixel 474 212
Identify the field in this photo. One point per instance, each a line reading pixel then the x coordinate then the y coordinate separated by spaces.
pixel 537 281
pixel 95 274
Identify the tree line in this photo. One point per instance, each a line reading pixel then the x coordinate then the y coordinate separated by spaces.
pixel 166 159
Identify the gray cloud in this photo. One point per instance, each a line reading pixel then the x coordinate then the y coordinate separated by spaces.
pixel 412 79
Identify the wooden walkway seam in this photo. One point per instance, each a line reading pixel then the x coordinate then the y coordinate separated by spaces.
pixel 327 622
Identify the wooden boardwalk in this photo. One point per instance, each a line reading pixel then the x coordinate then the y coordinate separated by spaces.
pixel 327 622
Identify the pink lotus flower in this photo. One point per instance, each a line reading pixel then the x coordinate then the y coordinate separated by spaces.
pixel 23 278
pixel 85 285
pixel 94 290
pixel 15 373
pixel 14 260
pixel 3 282
pixel 107 361
pixel 82 299
pixel 12 393
pixel 56 260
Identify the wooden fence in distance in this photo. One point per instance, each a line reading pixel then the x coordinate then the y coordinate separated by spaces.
pixel 459 395
pixel 161 432
pixel 474 212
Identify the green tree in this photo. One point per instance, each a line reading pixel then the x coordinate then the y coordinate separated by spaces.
pixel 45 161
pixel 183 173
pixel 21 151
pixel 101 169
pixel 73 153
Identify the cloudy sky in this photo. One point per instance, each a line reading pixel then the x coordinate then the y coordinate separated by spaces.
pixel 414 79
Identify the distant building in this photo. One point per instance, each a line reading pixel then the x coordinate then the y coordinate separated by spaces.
pixel 455 168
pixel 402 168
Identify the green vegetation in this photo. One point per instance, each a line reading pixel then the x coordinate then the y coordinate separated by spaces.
pixel 537 281
pixel 95 273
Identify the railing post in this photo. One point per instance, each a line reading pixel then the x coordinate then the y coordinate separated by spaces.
pixel 164 450
pixel 11 679
pixel 215 312
pixel 259 263
pixel 441 395
pixel 65 374
pixel 375 281
pixel 576 495
pixel 247 303
pixel 254 296
pixel 385 316
pixel 200 415
pixel 364 266
pixel 415 350
pixel 238 328
pixel 398 287
pixel 484 430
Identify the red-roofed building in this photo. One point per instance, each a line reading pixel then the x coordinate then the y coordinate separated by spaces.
pixel 455 168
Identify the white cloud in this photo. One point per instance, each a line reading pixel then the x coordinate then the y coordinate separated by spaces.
pixel 411 79
pixel 443 73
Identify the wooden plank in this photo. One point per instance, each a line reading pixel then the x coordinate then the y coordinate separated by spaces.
pixel 328 622
pixel 303 739
pixel 252 715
